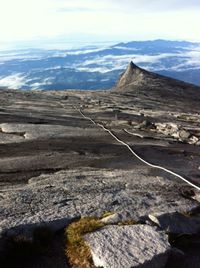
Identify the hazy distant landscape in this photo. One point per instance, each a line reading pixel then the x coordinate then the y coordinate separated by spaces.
pixel 99 134
pixel 96 66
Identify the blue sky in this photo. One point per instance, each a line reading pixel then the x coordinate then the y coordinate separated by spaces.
pixel 106 20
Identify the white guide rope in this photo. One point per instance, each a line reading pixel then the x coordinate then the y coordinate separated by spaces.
pixel 135 154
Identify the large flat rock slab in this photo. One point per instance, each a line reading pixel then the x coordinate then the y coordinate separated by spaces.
pixel 55 164
pixel 43 131
pixel 128 246
pixel 89 192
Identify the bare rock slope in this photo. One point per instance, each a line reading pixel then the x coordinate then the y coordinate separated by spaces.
pixel 56 165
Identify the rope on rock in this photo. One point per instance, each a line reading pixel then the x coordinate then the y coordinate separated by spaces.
pixel 134 153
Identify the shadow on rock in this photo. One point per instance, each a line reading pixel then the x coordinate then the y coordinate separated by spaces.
pixel 34 245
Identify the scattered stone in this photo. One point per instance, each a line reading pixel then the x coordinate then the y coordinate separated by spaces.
pixel 175 131
pixel 196 197
pixel 154 220
pixel 128 246
pixel 116 218
pixel 168 129
pixel 145 124
pixel 184 135
pixel 193 140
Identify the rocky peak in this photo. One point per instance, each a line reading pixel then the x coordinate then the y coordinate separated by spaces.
pixel 132 74
pixel 141 81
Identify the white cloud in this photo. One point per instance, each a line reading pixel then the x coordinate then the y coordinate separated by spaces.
pixel 84 51
pixel 39 85
pixel 14 81
pixel 112 62
pixel 191 60
pixel 92 70
pixel 126 48
pixel 4 58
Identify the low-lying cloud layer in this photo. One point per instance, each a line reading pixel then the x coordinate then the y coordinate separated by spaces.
pixel 64 67
pixel 15 81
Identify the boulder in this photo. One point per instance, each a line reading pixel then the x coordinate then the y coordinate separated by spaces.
pixel 184 135
pixel 128 246
pixel 193 140
pixel 177 222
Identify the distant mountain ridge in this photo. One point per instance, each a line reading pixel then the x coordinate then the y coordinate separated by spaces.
pixel 158 42
pixel 97 67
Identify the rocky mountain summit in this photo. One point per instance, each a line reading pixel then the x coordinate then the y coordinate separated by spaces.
pixel 66 156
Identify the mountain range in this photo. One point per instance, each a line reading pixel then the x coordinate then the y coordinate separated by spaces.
pixel 97 67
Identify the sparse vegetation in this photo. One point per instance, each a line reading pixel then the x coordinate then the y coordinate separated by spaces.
pixel 77 251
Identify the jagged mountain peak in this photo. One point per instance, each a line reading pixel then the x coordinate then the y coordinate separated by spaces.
pixel 135 78
pixel 133 73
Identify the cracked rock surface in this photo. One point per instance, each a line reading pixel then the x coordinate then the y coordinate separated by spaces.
pixel 128 246
pixel 55 165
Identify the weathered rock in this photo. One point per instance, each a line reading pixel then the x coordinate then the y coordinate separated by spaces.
pixel 132 74
pixel 145 124
pixel 128 246
pixel 116 218
pixel 177 223
pixel 41 131
pixel 175 131
pixel 90 192
pixel 184 135
pixel 193 140
pixel 56 165
pixel 168 129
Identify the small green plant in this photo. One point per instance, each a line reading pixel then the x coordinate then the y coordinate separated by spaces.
pixel 77 251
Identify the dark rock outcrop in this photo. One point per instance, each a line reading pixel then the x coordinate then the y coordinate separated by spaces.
pixel 136 80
